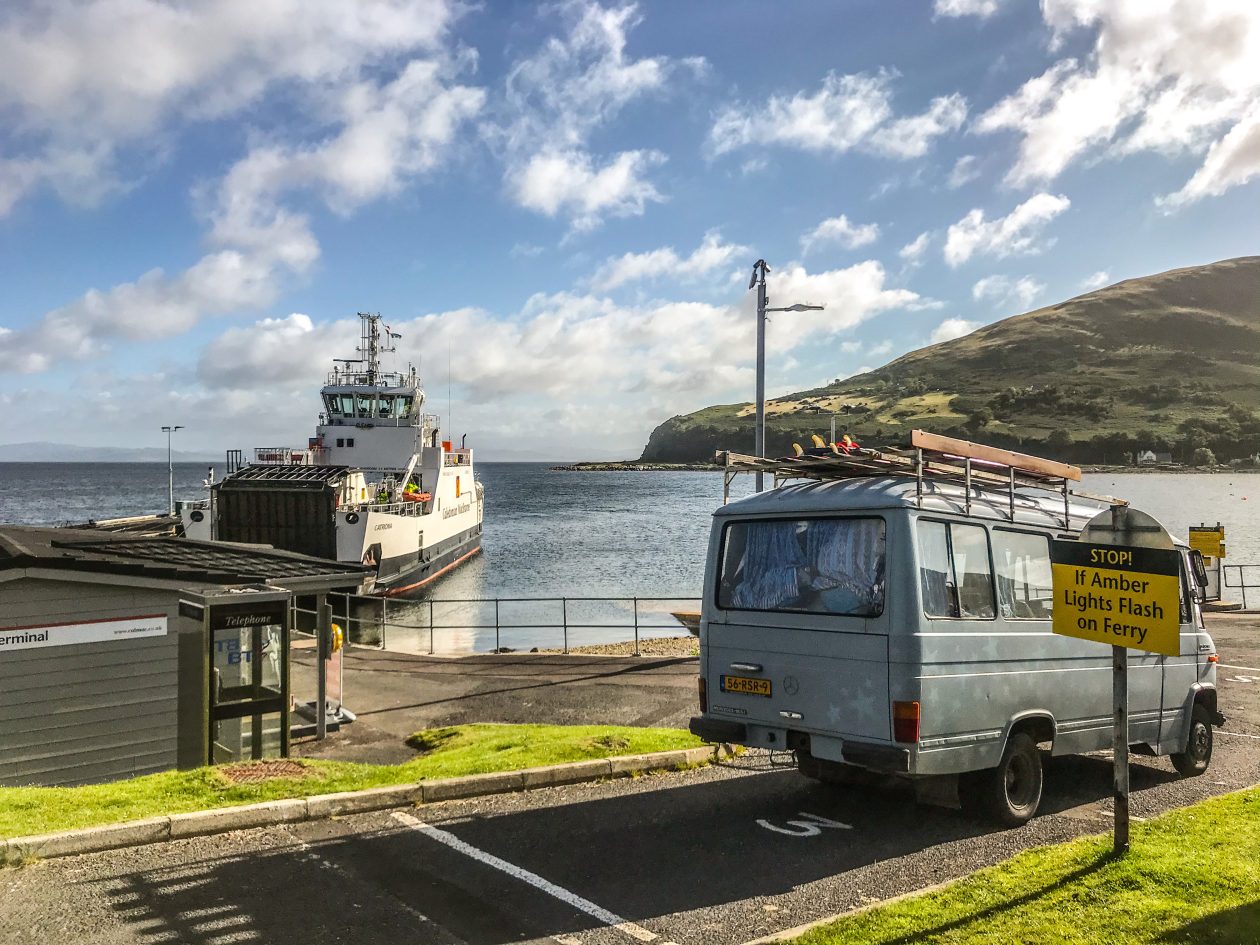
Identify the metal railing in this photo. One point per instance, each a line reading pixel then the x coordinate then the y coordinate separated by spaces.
pixel 1248 576
pixel 369 619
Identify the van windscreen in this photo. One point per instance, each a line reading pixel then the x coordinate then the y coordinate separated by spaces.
pixel 813 565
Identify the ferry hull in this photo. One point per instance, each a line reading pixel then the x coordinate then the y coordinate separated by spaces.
pixel 408 574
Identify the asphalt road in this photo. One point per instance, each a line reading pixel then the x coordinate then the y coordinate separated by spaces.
pixel 719 855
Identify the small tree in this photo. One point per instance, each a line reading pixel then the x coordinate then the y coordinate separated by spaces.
pixel 1203 457
pixel 1058 442
pixel 981 417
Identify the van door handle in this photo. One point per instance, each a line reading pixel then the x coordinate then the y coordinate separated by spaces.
pixel 747 667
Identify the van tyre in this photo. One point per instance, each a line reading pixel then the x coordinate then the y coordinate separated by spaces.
pixel 1010 793
pixel 1198 754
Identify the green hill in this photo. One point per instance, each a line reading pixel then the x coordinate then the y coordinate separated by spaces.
pixel 1169 362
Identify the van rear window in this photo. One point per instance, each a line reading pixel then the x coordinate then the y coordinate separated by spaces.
pixel 812 565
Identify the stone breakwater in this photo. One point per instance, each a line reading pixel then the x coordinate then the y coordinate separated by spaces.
pixel 637 467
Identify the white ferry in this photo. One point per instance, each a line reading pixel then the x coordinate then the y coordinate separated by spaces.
pixel 376 484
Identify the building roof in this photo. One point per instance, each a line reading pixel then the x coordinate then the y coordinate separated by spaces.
pixel 167 558
pixel 1032 506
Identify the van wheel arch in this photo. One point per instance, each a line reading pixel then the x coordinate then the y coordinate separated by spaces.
pixel 1040 727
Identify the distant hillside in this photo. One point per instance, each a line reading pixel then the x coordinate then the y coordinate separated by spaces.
pixel 67 453
pixel 1169 362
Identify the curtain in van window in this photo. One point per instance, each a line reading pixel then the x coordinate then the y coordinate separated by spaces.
pixel 848 564
pixel 765 578
pixel 821 565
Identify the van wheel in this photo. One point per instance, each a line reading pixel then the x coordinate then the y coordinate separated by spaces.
pixel 1198 754
pixel 1010 793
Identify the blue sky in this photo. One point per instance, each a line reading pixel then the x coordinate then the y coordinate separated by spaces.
pixel 195 199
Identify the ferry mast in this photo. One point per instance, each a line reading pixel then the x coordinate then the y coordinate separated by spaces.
pixel 371 347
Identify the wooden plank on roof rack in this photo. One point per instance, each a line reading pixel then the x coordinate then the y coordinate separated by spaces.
pixel 1022 462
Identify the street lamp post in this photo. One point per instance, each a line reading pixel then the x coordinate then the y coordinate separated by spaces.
pixel 170 466
pixel 759 281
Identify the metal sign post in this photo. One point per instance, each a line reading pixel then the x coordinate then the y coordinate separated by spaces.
pixel 323 634
pixel 1120 748
pixel 1119 585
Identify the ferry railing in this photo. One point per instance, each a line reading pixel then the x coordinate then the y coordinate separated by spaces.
pixel 1247 578
pixel 371 617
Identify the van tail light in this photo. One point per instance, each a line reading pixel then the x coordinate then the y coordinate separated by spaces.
pixel 704 694
pixel 1214 658
pixel 906 722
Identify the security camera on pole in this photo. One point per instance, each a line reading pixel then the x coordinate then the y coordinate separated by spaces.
pixel 759 280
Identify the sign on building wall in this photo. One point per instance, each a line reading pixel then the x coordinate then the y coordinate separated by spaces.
pixel 1123 596
pixel 94 631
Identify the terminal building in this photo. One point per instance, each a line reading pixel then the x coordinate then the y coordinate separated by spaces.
pixel 123 655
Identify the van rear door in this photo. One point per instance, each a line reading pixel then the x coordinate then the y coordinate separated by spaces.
pixel 796 635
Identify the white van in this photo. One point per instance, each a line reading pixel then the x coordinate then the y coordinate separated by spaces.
pixel 901 624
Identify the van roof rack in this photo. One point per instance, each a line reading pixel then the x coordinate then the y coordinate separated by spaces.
pixel 929 456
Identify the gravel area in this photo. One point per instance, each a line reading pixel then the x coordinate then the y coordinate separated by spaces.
pixel 653 646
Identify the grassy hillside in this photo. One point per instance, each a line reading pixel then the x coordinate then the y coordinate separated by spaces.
pixel 1169 362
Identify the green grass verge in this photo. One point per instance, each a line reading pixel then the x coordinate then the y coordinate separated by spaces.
pixel 1192 876
pixel 446 752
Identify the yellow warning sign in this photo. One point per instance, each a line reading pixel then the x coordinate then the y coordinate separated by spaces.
pixel 1208 541
pixel 1117 595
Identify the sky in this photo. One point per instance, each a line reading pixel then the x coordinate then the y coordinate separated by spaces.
pixel 557 206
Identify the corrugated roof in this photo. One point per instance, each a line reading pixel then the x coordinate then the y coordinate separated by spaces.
pixel 167 558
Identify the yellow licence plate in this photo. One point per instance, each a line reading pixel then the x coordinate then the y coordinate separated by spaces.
pixel 745 684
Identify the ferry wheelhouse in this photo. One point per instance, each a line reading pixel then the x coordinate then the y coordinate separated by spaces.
pixel 376 485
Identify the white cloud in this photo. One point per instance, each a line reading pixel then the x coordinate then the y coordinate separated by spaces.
pixel 965 170
pixel 572 345
pixel 911 137
pixel 154 306
pixel 1170 76
pixel 556 98
pixel 840 230
pixel 665 263
pixel 278 353
pixel 980 8
pixel 81 84
pixel 882 348
pixel 1003 291
pixel 848 112
pixel 952 328
pixel 913 251
pixel 566 182
pixel 379 136
pixel 1096 281
pixel 1230 162
pixel 1016 233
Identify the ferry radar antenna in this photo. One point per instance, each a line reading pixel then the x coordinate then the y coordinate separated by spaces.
pixel 371 345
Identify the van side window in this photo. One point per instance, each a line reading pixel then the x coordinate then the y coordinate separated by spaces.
pixel 954 571
pixel 819 565
pixel 1024 582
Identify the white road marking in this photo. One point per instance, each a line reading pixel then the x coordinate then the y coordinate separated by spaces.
pixel 1237 734
pixel 1245 669
pixel 571 899
pixel 811 825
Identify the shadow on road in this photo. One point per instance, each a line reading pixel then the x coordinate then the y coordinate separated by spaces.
pixel 645 855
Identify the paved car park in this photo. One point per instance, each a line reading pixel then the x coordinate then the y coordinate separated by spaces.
pixel 718 855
